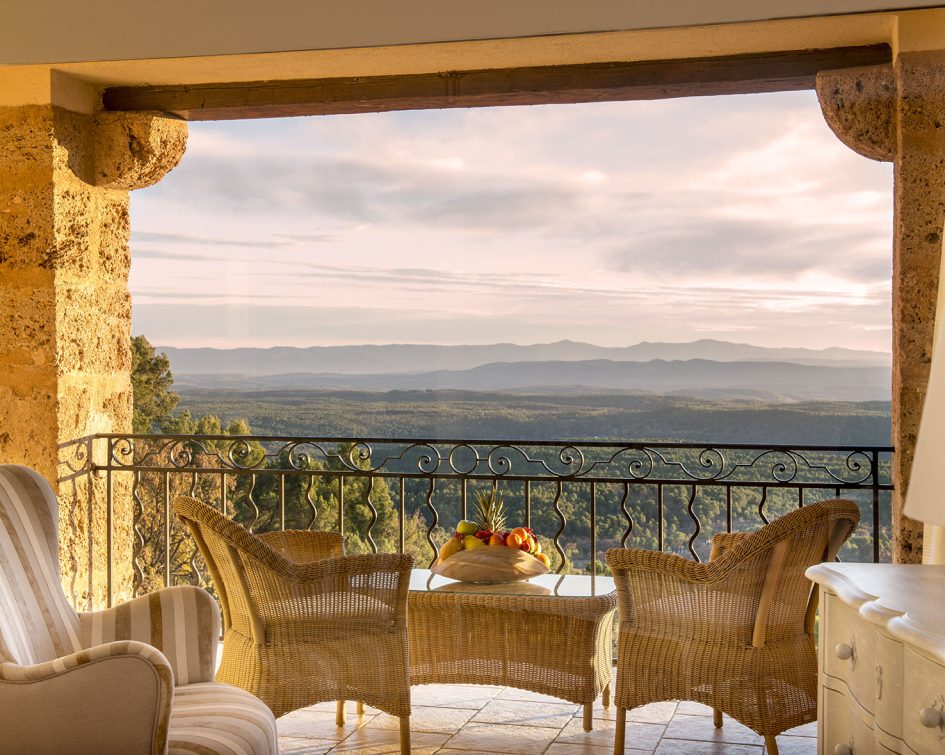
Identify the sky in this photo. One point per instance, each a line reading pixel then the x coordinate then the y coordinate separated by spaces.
pixel 740 218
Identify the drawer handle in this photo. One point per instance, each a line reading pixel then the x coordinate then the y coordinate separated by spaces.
pixel 844 651
pixel 843 749
pixel 931 718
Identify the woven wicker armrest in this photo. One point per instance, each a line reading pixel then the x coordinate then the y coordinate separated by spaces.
pixel 665 595
pixel 367 589
pixel 351 566
pixel 304 546
pixel 622 560
pixel 724 541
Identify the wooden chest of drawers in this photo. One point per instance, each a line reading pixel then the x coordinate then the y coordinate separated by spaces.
pixel 882 659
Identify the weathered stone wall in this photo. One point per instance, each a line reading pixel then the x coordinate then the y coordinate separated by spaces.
pixel 917 249
pixel 65 309
pixel 898 113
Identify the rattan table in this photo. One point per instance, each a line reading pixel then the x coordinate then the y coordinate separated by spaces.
pixel 551 634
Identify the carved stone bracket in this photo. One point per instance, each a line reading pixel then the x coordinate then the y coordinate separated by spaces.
pixel 134 150
pixel 859 105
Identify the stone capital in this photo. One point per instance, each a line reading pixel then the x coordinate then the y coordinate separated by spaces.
pixel 134 150
pixel 859 105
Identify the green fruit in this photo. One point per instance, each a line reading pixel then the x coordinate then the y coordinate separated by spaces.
pixel 467 527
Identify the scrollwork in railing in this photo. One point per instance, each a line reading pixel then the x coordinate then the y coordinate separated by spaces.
pixel 435 520
pixel 562 523
pixel 690 509
pixel 373 509
pixel 593 461
pixel 716 487
pixel 138 542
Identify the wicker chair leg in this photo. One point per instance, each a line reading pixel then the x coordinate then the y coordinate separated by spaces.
pixel 405 735
pixel 717 718
pixel 360 708
pixel 771 745
pixel 620 732
pixel 340 713
pixel 588 716
pixel 606 696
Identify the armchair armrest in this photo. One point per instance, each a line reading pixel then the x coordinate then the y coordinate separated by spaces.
pixel 724 541
pixel 113 698
pixel 304 546
pixel 182 622
pixel 665 595
pixel 370 590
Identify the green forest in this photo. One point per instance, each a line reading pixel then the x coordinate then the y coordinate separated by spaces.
pixel 317 495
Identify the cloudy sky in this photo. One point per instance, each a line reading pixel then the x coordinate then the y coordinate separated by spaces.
pixel 738 218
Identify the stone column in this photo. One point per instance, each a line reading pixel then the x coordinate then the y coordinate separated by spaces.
pixel 898 113
pixel 65 310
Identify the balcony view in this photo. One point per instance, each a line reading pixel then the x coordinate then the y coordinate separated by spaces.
pixel 553 389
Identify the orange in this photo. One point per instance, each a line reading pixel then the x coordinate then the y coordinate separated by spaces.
pixel 513 540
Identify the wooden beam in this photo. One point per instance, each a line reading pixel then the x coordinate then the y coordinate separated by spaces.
pixel 596 82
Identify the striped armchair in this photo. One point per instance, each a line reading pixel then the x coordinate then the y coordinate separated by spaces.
pixel 137 678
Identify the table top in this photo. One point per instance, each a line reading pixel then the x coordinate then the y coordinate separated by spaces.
pixel 549 585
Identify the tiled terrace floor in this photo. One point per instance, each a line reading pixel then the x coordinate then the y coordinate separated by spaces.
pixel 473 720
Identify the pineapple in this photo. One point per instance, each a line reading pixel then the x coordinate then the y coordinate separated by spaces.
pixel 490 511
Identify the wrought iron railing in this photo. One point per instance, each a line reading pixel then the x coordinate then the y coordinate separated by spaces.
pixel 406 495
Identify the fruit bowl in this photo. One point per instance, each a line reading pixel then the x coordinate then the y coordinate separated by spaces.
pixel 490 565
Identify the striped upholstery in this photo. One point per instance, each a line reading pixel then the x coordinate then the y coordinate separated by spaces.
pixel 43 641
pixel 14 672
pixel 182 622
pixel 37 623
pixel 216 718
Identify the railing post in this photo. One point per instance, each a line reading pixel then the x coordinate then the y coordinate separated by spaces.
pixel 167 529
pixel 110 529
pixel 874 477
pixel 341 506
pixel 402 514
pixel 593 513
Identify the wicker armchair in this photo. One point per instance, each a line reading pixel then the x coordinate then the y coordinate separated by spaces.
pixel 136 678
pixel 735 633
pixel 302 622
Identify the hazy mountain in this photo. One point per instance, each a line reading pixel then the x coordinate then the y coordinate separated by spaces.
pixel 780 381
pixel 372 360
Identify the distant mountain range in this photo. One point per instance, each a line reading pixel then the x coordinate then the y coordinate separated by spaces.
pixel 767 381
pixel 372 360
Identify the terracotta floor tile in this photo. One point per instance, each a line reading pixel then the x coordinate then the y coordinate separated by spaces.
pixel 502 738
pixel 639 736
pixel 684 747
pixel 427 718
pixel 525 713
pixel 691 708
pixel 654 713
pixel 797 745
pixel 298 746
pixel 701 728
pixel 317 724
pixel 513 693
pixel 561 748
pixel 471 696
pixel 368 741
pixel 807 730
